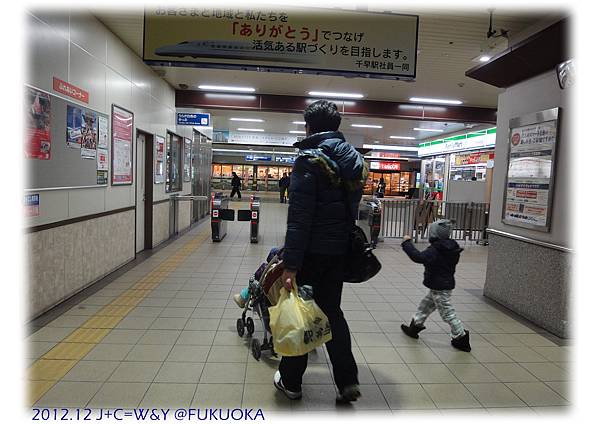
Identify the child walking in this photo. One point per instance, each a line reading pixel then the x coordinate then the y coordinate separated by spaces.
pixel 440 260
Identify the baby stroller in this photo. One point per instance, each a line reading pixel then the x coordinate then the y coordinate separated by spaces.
pixel 263 291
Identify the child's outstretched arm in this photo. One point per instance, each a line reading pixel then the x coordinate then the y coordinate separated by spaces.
pixel 414 254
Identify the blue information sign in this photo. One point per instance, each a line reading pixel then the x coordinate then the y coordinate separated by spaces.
pixel 197 119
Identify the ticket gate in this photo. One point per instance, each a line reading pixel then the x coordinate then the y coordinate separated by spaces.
pixel 219 215
pixel 252 215
pixel 369 219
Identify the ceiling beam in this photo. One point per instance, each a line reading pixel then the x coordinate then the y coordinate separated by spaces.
pixel 368 108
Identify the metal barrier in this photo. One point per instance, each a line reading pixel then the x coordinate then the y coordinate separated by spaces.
pixel 219 215
pixel 174 210
pixel 412 217
pixel 369 219
pixel 252 215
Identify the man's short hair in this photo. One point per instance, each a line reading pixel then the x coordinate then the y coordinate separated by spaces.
pixel 322 116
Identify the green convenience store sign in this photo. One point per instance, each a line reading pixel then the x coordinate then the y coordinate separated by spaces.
pixel 458 143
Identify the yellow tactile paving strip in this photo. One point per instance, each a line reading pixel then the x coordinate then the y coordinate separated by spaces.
pixel 56 363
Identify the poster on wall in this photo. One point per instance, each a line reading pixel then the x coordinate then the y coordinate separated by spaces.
pixel 187 160
pixel 102 132
pixel 37 134
pixel 102 159
pixel 530 174
pixel 74 126
pixel 102 177
pixel 89 138
pixel 332 41
pixel 122 146
pixel 159 159
pixel 32 205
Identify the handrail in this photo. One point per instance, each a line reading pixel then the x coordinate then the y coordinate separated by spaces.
pixel 530 240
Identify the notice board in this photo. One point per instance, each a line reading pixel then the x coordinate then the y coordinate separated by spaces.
pixel 530 174
pixel 66 144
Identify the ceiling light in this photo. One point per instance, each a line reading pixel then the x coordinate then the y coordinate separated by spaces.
pixel 440 101
pixel 366 126
pixel 376 141
pixel 336 95
pixel 227 88
pixel 484 58
pixel 247 119
pixel 299 122
pixel 427 129
pixel 297 132
pixel 230 96
pixel 251 129
pixel 405 148
pixel 401 137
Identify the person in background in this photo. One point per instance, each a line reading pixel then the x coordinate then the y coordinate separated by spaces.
pixel 381 188
pixel 284 183
pixel 440 260
pixel 473 178
pixel 236 183
pixel 325 190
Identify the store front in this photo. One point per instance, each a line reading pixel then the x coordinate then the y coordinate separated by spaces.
pixel 460 157
pixel 398 178
pixel 254 177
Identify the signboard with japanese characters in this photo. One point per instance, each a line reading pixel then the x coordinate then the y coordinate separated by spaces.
pixel 385 166
pixel 327 41
pixel 242 137
pixel 531 161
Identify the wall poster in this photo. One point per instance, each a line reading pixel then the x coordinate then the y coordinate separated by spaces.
pixel 187 160
pixel 102 132
pixel 38 140
pixel 122 146
pixel 74 126
pixel 89 134
pixel 531 164
pixel 159 159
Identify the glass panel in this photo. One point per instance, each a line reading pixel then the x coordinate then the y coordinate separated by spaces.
pixel 395 184
pixel 262 178
pixel 174 163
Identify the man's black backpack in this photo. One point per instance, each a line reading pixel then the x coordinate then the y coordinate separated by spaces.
pixel 360 264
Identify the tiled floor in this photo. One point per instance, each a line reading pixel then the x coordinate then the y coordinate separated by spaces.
pixel 163 334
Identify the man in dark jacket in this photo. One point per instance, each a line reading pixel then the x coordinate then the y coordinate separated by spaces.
pixel 326 187
pixel 440 260
pixel 236 183
pixel 284 184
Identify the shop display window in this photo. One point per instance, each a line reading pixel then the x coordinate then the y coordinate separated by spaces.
pixel 174 163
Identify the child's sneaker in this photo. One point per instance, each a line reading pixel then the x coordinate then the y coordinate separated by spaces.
pixel 237 298
pixel 462 342
pixel 414 329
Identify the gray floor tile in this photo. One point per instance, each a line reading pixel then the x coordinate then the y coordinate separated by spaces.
pixel 381 355
pixel 510 373
pixel 417 355
pixel 168 395
pixel 490 354
pixel 494 395
pixel 179 372
pixel 163 337
pixel 563 388
pixel 450 355
pixel 372 399
pixel 264 396
pixel 65 394
pixel 150 353
pixel 407 396
pixel 38 349
pixel 119 336
pixel 194 337
pixel 451 396
pixel 522 354
pixel 472 373
pixel 372 340
pixel 50 334
pixel 136 323
pixel 188 353
pixel 392 373
pixel 537 394
pixel 98 371
pixel 432 373
pixel 219 395
pixel 228 354
pixel 135 372
pixel 554 353
pixel 202 324
pixel 316 397
pixel 546 371
pixel 170 312
pixel 119 395
pixel 223 373
pixel 109 352
pixel 169 323
pixel 145 311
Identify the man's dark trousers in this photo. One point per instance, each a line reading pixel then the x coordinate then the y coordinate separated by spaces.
pixel 324 273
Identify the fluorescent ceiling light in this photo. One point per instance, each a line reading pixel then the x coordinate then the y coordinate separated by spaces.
pixel 427 129
pixel 251 129
pixel 386 159
pixel 336 95
pixel 366 126
pixel 299 122
pixel 484 58
pixel 230 96
pixel 247 119
pixel 297 132
pixel 440 101
pixel 383 147
pixel 401 137
pixel 227 88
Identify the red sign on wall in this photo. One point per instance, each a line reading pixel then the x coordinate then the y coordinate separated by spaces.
pixel 385 166
pixel 70 90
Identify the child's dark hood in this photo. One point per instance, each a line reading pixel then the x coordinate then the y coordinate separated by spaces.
pixel 447 245
pixel 340 157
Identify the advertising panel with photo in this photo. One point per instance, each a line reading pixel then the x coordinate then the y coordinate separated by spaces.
pixel 328 41
pixel 37 133
pixel 528 193
pixel 122 146
pixel 89 134
pixel 159 159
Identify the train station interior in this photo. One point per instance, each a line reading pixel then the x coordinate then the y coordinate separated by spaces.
pixel 161 145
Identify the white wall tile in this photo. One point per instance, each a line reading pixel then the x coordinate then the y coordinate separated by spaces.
pixel 54 206
pixel 86 201
pixel 88 33
pixel 118 56
pixel 118 92
pixel 89 74
pixel 57 20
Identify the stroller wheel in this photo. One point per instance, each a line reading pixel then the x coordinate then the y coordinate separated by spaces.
pixel 256 350
pixel 240 327
pixel 250 326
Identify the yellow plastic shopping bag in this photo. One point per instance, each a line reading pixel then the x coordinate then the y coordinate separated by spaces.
pixel 298 326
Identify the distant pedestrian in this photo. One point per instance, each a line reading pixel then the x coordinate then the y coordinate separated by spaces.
pixel 284 183
pixel 236 183
pixel 440 260
pixel 381 188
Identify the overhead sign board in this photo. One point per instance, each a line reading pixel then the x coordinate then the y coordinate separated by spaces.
pixel 70 90
pixel 253 158
pixel 385 166
pixel 243 137
pixel 282 38
pixel 196 119
pixel 459 143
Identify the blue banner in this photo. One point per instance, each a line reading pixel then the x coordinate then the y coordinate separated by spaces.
pixel 196 119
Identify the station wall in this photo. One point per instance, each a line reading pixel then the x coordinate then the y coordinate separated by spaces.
pixel 93 228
